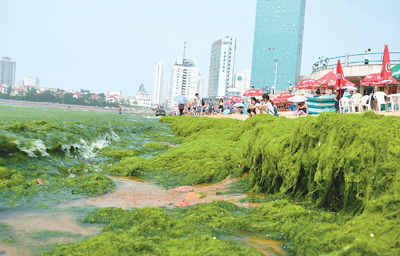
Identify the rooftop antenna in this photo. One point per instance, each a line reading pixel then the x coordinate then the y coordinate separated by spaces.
pixel 184 49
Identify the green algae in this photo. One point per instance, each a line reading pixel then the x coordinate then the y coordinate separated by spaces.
pixel 92 185
pixel 118 154
pixel 157 146
pixel 6 234
pixel 129 166
pixel 157 231
pixel 65 149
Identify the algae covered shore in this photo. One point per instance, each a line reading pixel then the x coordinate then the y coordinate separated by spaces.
pixel 326 185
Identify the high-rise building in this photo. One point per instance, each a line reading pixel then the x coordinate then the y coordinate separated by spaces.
pixel 278 43
pixel 185 80
pixel 30 82
pixel 7 72
pixel 222 63
pixel 158 83
pixel 241 83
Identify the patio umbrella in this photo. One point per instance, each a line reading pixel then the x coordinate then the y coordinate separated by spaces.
pixel 307 84
pixel 328 80
pixel 386 72
pixel 297 99
pixel 283 97
pixel 253 93
pixel 180 99
pixel 396 72
pixel 349 85
pixel 376 80
pixel 236 98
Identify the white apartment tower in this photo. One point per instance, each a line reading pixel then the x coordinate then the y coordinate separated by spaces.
pixel 158 83
pixel 185 80
pixel 222 63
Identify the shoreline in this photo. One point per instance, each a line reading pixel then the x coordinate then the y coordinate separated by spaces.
pixel 33 104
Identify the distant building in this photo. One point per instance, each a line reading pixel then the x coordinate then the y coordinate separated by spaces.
pixel 3 89
pixel 185 80
pixel 85 91
pixel 158 83
pixel 44 89
pixel 30 82
pixel 7 72
pixel 241 83
pixel 168 92
pixel 20 91
pixel 142 97
pixel 278 43
pixel 222 63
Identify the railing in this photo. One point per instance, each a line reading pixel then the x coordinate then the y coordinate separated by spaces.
pixel 355 59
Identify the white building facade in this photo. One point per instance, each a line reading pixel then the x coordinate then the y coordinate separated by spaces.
pixel 241 83
pixel 222 62
pixel 185 80
pixel 30 82
pixel 142 97
pixel 158 83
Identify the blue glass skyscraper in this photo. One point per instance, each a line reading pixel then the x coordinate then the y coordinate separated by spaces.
pixel 278 43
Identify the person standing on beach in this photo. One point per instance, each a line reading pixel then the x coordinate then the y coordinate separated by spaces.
pixel 290 88
pixel 198 104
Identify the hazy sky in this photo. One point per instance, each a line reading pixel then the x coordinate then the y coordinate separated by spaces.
pixel 113 44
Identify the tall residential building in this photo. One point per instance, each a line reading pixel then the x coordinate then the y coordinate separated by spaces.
pixel 30 82
pixel 278 43
pixel 241 83
pixel 222 63
pixel 185 80
pixel 158 83
pixel 7 72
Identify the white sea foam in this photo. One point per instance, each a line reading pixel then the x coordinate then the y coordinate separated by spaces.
pixel 88 150
pixel 32 147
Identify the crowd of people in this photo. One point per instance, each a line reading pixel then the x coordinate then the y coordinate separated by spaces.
pixel 199 107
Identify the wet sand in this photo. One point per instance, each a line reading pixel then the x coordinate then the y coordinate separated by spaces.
pixel 138 193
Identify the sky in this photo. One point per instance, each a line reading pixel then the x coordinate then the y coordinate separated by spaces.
pixel 110 45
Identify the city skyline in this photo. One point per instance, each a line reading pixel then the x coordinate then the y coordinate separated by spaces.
pixel 73 49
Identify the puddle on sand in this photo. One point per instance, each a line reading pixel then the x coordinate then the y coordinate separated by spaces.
pixel 26 224
pixel 132 192
pixel 266 246
pixel 136 192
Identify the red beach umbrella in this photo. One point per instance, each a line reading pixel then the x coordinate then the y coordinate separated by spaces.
pixel 236 98
pixel 328 80
pixel 283 97
pixel 307 84
pixel 253 93
pixel 386 72
pixel 340 81
pixel 376 80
